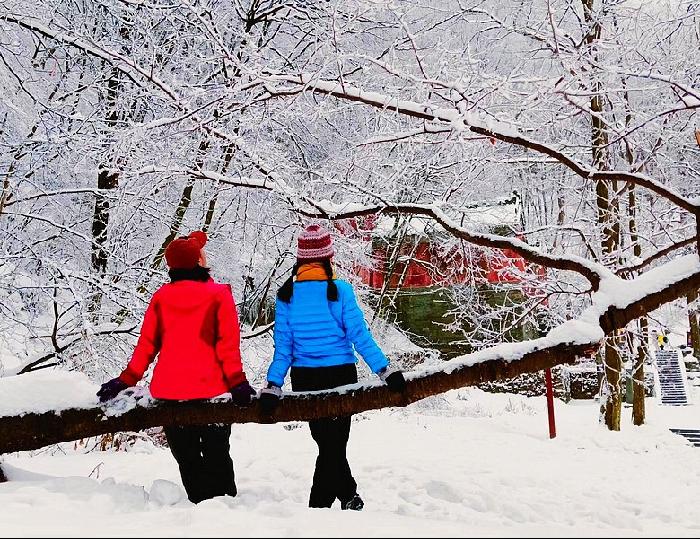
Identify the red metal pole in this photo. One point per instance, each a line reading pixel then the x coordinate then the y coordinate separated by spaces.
pixel 550 402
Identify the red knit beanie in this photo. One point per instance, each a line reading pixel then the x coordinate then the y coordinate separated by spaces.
pixel 314 244
pixel 184 253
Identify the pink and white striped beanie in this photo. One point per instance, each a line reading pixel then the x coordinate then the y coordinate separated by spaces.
pixel 314 244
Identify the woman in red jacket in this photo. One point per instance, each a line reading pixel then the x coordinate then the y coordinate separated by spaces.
pixel 191 324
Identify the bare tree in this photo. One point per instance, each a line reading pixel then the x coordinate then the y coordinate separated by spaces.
pixel 339 110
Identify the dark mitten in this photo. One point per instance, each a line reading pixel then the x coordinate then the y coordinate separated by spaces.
pixel 394 379
pixel 111 389
pixel 270 398
pixel 242 394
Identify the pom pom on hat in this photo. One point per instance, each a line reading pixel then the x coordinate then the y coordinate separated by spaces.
pixel 184 253
pixel 314 244
pixel 200 236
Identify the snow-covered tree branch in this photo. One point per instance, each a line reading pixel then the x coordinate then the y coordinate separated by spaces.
pixel 128 123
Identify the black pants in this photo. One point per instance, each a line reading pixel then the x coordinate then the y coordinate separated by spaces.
pixel 202 453
pixel 332 477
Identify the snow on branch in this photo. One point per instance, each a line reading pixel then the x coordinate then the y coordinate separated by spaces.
pixel 343 90
pixel 614 305
pixel 490 128
pixel 127 66
pixel 592 271
pixel 629 270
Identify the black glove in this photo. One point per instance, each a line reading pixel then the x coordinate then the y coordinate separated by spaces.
pixel 111 389
pixel 242 394
pixel 394 379
pixel 270 398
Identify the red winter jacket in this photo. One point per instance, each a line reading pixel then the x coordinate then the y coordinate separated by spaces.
pixel 194 327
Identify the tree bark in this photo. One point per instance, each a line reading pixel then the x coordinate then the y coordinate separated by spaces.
pixel 5 194
pixel 229 152
pixel 638 392
pixel 608 212
pixel 183 205
pixel 693 321
pixel 32 431
pixel 107 179
pixel 613 370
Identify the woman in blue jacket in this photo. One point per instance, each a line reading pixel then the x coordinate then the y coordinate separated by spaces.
pixel 318 329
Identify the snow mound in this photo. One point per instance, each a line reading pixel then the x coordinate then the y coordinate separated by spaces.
pixel 46 390
pixel 165 492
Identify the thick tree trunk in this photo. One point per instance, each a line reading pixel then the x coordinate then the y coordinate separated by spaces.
pixel 32 431
pixel 638 408
pixel 107 179
pixel 607 205
pixel 638 393
pixel 693 321
pixel 613 369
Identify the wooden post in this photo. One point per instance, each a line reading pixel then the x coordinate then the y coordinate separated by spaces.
pixel 550 402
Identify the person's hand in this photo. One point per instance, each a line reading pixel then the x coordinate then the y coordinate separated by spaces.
pixel 270 398
pixel 111 389
pixel 394 379
pixel 242 394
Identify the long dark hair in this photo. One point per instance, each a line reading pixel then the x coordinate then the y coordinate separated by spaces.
pixel 198 273
pixel 286 290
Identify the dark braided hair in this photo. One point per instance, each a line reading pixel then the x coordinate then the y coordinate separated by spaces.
pixel 332 290
pixel 286 290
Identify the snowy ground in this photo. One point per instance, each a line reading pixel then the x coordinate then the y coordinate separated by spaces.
pixel 468 463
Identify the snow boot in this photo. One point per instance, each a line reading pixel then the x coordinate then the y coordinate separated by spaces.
pixel 355 503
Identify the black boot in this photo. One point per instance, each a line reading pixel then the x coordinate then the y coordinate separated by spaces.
pixel 355 503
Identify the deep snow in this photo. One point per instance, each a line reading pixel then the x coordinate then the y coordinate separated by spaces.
pixel 462 464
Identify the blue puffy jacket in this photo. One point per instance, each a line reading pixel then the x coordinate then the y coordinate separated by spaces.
pixel 311 331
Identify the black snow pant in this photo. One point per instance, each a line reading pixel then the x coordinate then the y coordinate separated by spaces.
pixel 202 453
pixel 332 477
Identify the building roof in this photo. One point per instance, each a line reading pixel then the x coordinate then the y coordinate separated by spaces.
pixel 505 211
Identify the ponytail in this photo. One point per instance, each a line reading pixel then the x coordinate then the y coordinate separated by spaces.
pixel 286 290
pixel 332 290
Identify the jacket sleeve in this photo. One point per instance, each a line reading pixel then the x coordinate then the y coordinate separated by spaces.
pixel 147 346
pixel 282 336
pixel 228 343
pixel 358 333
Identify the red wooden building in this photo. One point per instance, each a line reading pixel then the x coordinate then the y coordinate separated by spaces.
pixel 414 252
